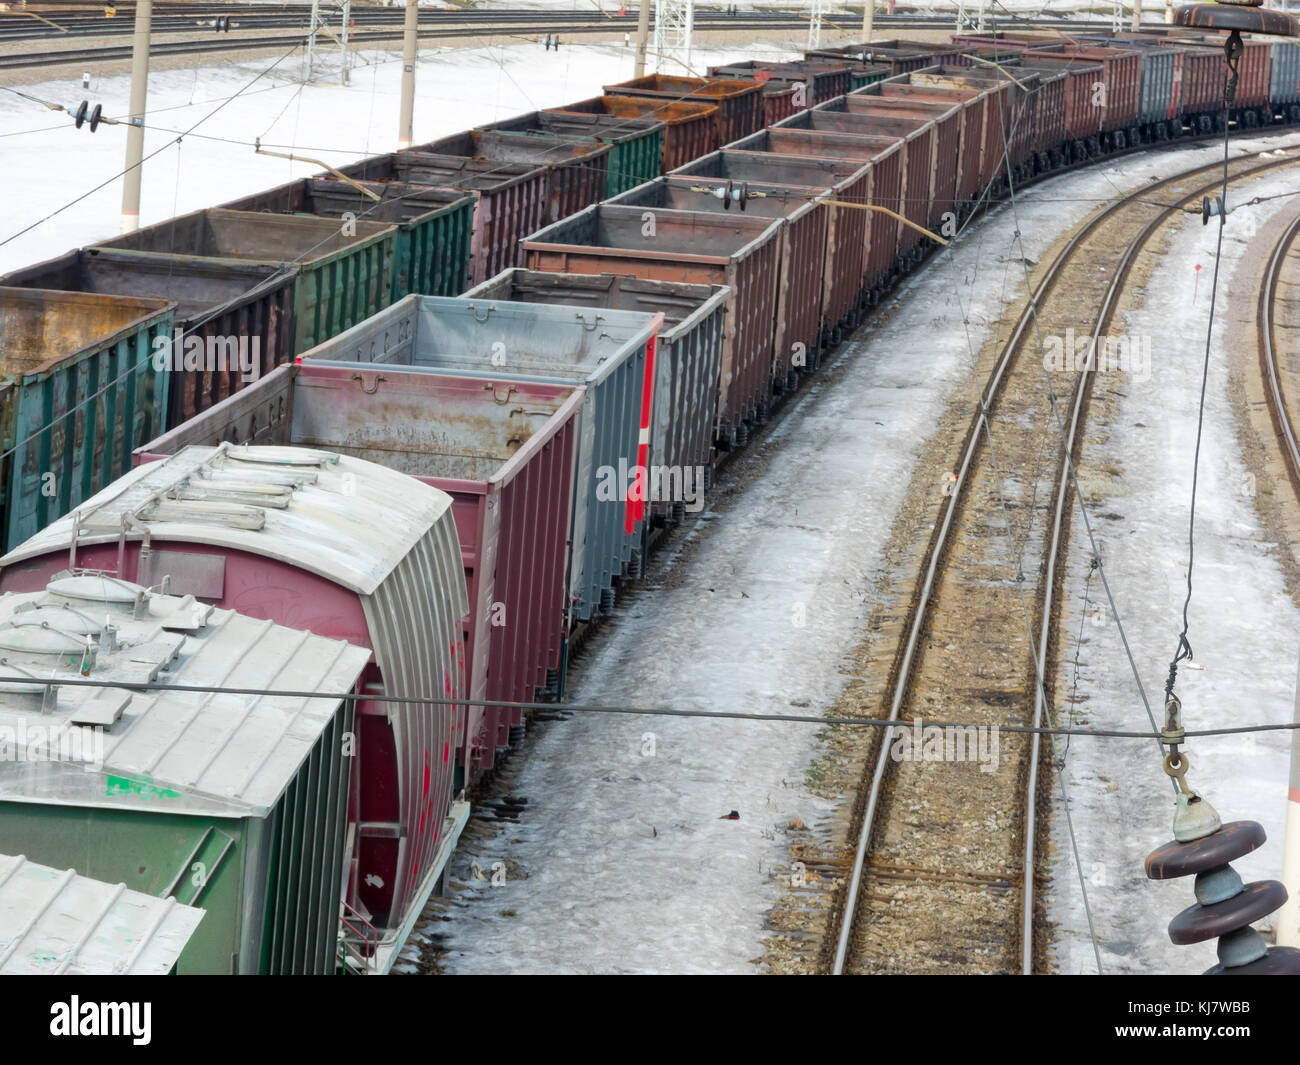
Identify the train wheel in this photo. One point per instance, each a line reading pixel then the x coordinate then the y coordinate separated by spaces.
pixel 792 380
pixel 1249 118
pixel 1119 140
pixel 742 435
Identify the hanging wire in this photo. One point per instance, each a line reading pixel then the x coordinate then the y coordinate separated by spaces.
pixel 1233 49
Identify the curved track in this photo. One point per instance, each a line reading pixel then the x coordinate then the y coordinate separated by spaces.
pixel 1281 400
pixel 946 854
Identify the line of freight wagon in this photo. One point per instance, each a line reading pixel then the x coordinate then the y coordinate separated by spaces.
pixel 520 320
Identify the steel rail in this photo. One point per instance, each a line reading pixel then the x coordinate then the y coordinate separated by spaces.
pixel 1279 414
pixel 226 43
pixel 939 541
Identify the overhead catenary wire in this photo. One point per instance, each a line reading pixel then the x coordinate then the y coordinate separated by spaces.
pixel 1183 651
pixel 156 151
pixel 623 710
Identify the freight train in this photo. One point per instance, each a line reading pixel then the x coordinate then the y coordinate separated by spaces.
pixel 437 404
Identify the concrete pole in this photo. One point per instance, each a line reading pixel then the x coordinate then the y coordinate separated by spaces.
pixel 1137 14
pixel 406 124
pixel 642 34
pixel 1288 920
pixel 868 14
pixel 343 41
pixel 135 131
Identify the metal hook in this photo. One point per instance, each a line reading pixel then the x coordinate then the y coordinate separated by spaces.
pixel 583 319
pixel 1232 51
pixel 373 388
pixel 473 309
pixel 497 397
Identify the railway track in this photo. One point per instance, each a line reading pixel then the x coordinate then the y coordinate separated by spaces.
pixel 196 18
pixel 946 855
pixel 1279 366
pixel 356 40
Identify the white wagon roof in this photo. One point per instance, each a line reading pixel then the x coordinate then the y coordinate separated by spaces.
pixel 185 752
pixel 343 518
pixel 54 921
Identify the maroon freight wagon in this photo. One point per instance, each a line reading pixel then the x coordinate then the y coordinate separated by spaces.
pixel 507 466
pixel 577 170
pixel 740 252
pixel 947 118
pixel 887 160
pixel 1114 99
pixel 978 108
pixel 900 57
pixel 1089 86
pixel 217 300
pixel 781 99
pixel 803 253
pixel 329 544
pixel 823 80
pixel 1204 67
pixel 994 147
pixel 847 229
pixel 1016 122
pixel 917 139
pixel 510 198
pixel 691 126
pixel 739 103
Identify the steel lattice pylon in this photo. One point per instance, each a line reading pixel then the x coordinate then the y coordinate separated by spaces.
pixel 815 22
pixel 970 15
pixel 674 21
pixel 320 25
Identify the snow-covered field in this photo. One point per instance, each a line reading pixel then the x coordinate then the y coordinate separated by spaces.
pixel 47 162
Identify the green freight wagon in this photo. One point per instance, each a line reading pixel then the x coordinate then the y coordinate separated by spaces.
pixel 636 144
pixel 434 225
pixel 233 804
pixel 344 271
pixel 79 391
pixel 56 923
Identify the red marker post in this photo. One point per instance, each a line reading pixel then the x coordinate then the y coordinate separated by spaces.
pixel 1197 286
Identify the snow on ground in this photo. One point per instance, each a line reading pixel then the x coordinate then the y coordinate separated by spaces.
pixel 627 865
pixel 1245 630
pixel 47 162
